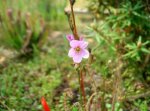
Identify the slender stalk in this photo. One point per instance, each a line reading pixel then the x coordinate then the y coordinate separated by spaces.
pixel 82 71
pixel 114 95
pixel 103 107
pixel 90 100
pixel 81 88
pixel 81 101
pixel 74 23
pixel 117 92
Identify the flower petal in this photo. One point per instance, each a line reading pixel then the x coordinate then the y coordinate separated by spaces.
pixel 70 37
pixel 74 43
pixel 77 59
pixel 71 52
pixel 83 44
pixel 85 53
pixel 81 39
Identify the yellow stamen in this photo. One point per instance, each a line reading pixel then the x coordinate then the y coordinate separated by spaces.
pixel 77 49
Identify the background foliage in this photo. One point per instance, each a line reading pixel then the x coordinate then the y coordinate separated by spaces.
pixel 121 30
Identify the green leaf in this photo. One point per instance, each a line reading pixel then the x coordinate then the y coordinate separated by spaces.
pixel 145 50
pixel 74 109
pixel 140 40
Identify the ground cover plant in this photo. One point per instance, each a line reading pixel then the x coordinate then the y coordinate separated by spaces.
pixel 49 62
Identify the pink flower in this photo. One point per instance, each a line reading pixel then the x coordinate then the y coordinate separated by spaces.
pixel 78 50
pixel 70 37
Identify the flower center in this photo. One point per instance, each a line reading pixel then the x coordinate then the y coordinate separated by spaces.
pixel 78 49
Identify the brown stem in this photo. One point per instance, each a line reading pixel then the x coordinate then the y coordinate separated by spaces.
pixel 114 97
pixel 79 78
pixel 137 96
pixel 117 83
pixel 82 72
pixel 74 23
pixel 89 102
pixel 103 106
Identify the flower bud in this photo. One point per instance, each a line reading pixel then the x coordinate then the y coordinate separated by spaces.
pixel 9 13
pixel 139 44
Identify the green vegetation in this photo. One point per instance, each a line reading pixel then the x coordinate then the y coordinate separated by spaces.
pixel 25 82
pixel 24 28
pixel 121 30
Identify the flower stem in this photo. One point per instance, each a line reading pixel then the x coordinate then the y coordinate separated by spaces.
pixel 74 23
pixel 82 71
pixel 81 88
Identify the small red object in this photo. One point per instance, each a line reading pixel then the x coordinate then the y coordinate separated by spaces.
pixel 44 104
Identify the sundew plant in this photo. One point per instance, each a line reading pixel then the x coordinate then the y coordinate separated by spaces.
pixel 75 55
